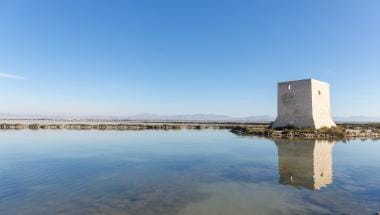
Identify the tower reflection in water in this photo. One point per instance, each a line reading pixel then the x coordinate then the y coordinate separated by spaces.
pixel 305 163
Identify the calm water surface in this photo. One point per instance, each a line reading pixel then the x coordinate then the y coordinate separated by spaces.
pixel 208 172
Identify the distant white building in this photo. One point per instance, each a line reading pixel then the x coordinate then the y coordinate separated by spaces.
pixel 304 104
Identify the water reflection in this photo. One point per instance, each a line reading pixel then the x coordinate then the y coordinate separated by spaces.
pixel 183 173
pixel 305 163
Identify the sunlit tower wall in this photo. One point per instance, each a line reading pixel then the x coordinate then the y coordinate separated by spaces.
pixel 303 104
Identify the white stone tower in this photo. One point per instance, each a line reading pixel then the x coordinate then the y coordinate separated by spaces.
pixel 303 104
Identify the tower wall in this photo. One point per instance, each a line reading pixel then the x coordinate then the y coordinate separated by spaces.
pixel 321 104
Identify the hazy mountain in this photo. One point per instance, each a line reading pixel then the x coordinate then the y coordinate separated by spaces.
pixel 263 118
pixel 18 116
pixel 357 119
pixel 147 117
pixel 199 117
pixel 183 117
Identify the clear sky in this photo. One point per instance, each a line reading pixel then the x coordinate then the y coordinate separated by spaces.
pixel 110 57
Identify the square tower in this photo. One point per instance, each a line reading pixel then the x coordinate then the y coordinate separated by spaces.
pixel 303 104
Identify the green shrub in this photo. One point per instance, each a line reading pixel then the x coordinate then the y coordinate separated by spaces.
pixel 333 131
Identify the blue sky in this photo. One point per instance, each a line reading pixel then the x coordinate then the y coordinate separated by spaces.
pixel 88 57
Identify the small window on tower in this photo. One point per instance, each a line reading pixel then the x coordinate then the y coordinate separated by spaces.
pixel 289 86
pixel 319 92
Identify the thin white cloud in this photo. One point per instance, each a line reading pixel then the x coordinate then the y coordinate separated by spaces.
pixel 11 76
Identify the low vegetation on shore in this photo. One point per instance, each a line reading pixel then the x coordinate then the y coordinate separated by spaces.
pixel 342 131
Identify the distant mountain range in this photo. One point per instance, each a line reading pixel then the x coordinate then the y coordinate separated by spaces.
pixel 357 119
pixel 200 117
pixel 147 117
pixel 183 117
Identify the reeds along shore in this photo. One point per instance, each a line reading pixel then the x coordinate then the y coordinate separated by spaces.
pixel 342 131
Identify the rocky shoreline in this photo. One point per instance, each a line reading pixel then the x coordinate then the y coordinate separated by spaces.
pixel 342 131
pixel 110 125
